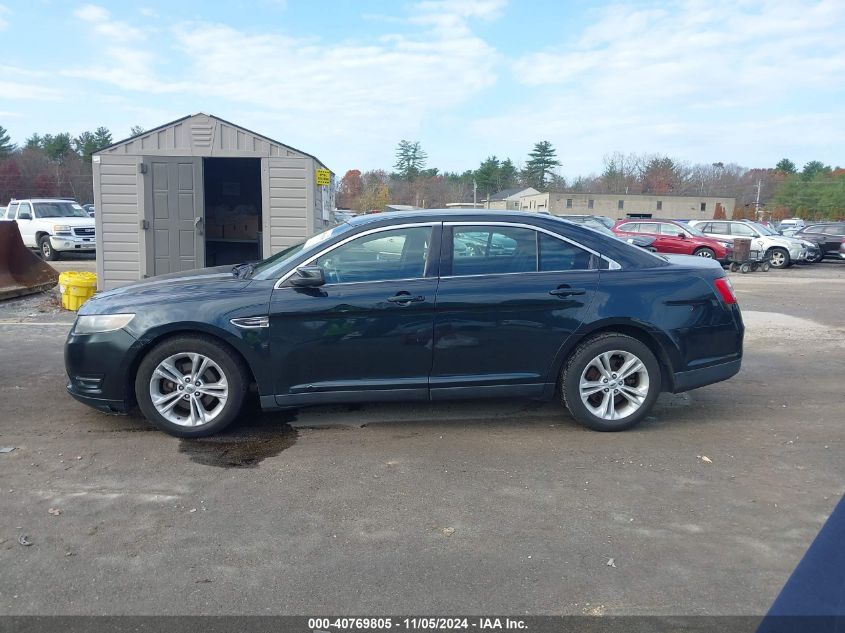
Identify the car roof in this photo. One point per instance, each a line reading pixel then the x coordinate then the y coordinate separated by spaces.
pixel 458 215
pixel 44 200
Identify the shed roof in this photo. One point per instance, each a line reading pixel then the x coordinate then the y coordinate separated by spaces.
pixel 202 134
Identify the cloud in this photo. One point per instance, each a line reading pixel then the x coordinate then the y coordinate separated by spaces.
pixel 103 25
pixel 392 82
pixel 699 78
pixel 4 11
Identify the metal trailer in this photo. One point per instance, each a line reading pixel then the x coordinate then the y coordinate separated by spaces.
pixel 746 260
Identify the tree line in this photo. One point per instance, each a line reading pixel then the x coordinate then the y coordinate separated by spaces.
pixel 51 165
pixel 817 191
pixel 59 165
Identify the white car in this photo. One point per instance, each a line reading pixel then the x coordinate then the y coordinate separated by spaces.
pixel 781 251
pixel 53 226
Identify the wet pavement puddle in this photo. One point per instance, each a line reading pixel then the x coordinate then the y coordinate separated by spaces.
pixel 246 445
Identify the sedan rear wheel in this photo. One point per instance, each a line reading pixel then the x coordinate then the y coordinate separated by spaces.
pixel 190 386
pixel 611 382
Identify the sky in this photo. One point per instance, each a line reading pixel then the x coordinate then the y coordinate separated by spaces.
pixel 739 81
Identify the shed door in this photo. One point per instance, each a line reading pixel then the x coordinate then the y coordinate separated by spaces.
pixel 174 212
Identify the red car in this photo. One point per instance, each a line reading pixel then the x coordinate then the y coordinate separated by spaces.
pixel 675 237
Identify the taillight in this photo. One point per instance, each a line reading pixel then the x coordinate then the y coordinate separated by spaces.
pixel 726 290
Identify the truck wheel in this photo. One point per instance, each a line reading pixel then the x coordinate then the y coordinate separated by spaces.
pixel 47 250
pixel 610 382
pixel 191 386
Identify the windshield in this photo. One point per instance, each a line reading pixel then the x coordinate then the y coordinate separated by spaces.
pixel 59 209
pixel 279 259
pixel 765 230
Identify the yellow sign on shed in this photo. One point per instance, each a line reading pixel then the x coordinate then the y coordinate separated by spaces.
pixel 323 176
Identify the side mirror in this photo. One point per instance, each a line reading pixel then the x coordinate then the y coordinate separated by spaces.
pixel 24 216
pixel 308 277
pixel 683 236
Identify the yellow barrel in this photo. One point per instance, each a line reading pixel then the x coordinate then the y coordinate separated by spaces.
pixel 76 288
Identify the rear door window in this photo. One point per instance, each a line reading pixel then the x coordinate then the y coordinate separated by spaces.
pixel 481 250
pixel 629 227
pixel 719 228
pixel 558 255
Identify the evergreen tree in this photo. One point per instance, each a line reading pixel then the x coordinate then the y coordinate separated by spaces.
pixel 6 145
pixel 541 160
pixel 786 166
pixel 410 159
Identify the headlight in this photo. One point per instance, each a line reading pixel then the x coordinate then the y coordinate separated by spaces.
pixel 726 244
pixel 101 323
pixel 61 229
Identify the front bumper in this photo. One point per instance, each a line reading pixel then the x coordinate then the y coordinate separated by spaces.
pixel 98 369
pixel 798 254
pixel 63 243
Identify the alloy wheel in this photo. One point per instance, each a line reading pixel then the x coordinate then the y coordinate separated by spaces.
pixel 705 253
pixel 614 385
pixel 778 259
pixel 189 389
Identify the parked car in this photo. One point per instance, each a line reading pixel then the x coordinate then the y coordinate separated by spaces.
pixel 830 237
pixel 608 222
pixel 2 213
pixel 53 226
pixel 676 237
pixel 554 308
pixel 790 223
pixel 89 209
pixel 781 251
pixel 643 241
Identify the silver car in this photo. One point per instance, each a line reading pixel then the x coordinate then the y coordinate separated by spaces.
pixel 781 251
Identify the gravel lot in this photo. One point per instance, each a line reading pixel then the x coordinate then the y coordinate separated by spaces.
pixel 476 507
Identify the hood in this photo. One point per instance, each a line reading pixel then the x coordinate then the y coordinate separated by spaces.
pixel 194 285
pixel 82 222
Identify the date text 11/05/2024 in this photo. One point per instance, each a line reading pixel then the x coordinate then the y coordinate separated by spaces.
pixel 421 623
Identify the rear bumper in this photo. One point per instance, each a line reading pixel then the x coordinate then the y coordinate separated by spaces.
pixel 687 380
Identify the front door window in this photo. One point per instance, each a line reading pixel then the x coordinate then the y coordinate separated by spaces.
pixel 381 256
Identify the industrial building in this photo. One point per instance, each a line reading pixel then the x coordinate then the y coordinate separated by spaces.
pixel 620 206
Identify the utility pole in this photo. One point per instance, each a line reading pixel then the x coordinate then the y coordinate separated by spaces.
pixel 474 194
pixel 757 203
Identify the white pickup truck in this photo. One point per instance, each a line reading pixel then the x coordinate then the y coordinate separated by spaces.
pixel 53 226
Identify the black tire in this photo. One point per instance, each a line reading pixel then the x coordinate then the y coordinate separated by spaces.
pixel 745 268
pixel 734 267
pixel 232 366
pixel 765 267
pixel 46 249
pixel 705 252
pixel 779 258
pixel 577 364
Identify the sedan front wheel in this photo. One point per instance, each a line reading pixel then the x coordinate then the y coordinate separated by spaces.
pixel 611 382
pixel 191 386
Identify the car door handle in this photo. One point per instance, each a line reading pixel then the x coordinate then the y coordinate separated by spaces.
pixel 405 299
pixel 566 291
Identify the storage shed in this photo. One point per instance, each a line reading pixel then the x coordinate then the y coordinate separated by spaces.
pixel 201 191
